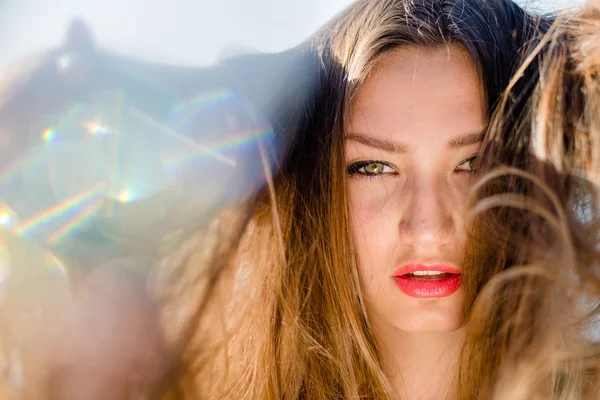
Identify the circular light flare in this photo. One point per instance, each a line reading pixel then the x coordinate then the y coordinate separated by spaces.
pixel 65 61
pixel 125 196
pixel 49 135
pixel 5 220
pixel 8 218
pixel 96 128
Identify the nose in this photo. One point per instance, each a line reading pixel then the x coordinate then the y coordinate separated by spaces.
pixel 428 218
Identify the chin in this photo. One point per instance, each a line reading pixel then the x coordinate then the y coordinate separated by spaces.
pixel 425 322
pixel 431 315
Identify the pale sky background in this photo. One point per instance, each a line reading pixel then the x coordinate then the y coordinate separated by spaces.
pixel 175 31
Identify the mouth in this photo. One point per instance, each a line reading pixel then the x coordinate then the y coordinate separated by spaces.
pixel 427 275
pixel 432 281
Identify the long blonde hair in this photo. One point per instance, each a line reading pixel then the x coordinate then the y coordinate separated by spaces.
pixel 297 326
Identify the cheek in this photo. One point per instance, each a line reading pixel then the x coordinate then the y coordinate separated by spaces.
pixel 374 215
pixel 458 197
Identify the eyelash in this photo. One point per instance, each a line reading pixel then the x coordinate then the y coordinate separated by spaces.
pixel 354 168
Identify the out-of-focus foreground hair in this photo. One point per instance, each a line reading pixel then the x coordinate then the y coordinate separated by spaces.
pixel 534 271
pixel 81 293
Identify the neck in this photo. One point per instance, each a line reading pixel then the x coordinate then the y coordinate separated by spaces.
pixel 420 365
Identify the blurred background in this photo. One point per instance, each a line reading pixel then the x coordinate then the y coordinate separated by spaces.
pixel 194 32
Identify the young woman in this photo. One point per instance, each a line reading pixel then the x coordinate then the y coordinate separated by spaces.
pixel 350 280
pixel 357 274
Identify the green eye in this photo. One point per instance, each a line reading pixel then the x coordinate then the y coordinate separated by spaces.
pixel 374 168
pixel 471 164
pixel 370 168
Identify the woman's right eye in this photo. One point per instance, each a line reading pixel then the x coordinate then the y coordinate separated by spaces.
pixel 370 168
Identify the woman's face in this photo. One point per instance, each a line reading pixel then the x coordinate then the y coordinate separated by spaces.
pixel 416 125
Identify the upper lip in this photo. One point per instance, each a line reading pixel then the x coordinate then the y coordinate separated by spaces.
pixel 413 267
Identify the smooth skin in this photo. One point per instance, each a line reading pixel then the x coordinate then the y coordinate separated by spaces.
pixel 414 134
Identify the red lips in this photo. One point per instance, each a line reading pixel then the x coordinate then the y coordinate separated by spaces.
pixel 428 281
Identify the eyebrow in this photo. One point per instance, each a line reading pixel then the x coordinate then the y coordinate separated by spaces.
pixel 466 140
pixel 391 146
pixel 382 144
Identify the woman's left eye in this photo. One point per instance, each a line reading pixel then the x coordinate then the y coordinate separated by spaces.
pixel 470 165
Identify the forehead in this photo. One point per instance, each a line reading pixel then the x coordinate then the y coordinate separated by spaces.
pixel 420 93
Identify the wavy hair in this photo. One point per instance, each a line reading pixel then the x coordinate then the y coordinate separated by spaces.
pixel 296 325
pixel 534 274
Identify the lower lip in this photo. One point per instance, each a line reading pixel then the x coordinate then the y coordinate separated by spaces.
pixel 428 288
